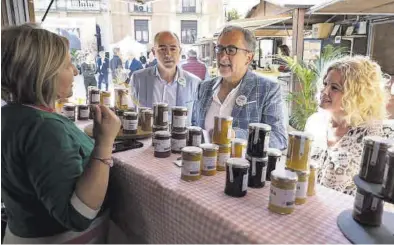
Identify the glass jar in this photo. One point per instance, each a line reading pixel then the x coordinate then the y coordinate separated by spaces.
pixel 94 96
pixel 298 152
pixel 105 98
pixel 158 128
pixel 302 186
pixel 223 156
pixel 367 209
pixel 222 130
pixel 209 159
pixel 83 112
pixel 312 181
pixel 257 171
pixel 160 114
pixel 191 163
pixel 388 178
pixel 258 140
pixel 146 120
pixel 282 191
pixel 274 156
pixel 238 148
pixel 194 136
pixel 179 118
pixel 236 177
pixel 69 111
pixel 130 122
pixel 178 141
pixel 162 144
pixel 121 101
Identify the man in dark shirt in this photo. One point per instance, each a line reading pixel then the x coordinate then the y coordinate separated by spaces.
pixel 102 70
pixel 115 63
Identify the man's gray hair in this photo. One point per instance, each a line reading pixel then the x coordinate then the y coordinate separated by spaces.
pixel 250 39
pixel 192 53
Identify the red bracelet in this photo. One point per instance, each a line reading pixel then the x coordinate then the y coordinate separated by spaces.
pixel 108 161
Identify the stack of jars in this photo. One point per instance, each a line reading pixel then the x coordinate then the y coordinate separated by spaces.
pixel 161 138
pixel 222 134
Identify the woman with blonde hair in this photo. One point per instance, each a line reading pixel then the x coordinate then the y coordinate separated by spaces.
pixel 54 177
pixel 352 103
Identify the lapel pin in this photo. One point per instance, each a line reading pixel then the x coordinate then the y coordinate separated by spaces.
pixel 182 81
pixel 241 100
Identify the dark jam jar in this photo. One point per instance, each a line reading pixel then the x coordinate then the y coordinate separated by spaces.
pixel 178 141
pixel 83 112
pixel 273 158
pixel 130 122
pixel 179 118
pixel 69 111
pixel 94 96
pixel 373 159
pixel 162 144
pixel 160 114
pixel 257 171
pixel 194 136
pixel 368 209
pixel 236 177
pixel 146 120
pixel 388 178
pixel 258 140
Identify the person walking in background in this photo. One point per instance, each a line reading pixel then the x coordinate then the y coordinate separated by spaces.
pixel 143 59
pixel 115 63
pixel 152 60
pixel 88 69
pixel 102 70
pixel 132 64
pixel 194 66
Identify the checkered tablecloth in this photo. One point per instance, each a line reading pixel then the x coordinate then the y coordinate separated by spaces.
pixel 148 199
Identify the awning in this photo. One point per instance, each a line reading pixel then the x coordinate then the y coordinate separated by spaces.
pixel 259 22
pixel 355 7
pixel 272 33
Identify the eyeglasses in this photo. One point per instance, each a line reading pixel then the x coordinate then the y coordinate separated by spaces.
pixel 230 50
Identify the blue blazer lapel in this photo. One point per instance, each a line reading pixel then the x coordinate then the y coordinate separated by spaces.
pixel 248 84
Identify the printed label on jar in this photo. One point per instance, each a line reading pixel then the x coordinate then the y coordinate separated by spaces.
pixel 375 202
pixel 358 202
pixel 209 163
pixel 266 142
pixel 245 182
pixel 385 176
pixel 84 113
pixel 222 159
pixel 264 173
pixel 282 198
pixel 130 124
pixel 165 116
pixel 179 121
pixel 123 100
pixel 162 145
pixel 107 101
pixel 190 168
pixel 196 140
pixel 177 145
pixel 68 114
pixel 302 188
pixel 95 98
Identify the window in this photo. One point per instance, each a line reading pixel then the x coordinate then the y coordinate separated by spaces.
pixel 188 31
pixel 141 31
pixel 188 6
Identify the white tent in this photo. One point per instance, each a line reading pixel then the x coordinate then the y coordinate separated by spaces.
pixel 128 44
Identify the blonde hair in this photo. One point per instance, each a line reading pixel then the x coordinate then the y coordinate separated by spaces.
pixel 31 59
pixel 364 98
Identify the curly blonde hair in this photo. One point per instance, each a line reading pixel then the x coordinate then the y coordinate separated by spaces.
pixel 364 98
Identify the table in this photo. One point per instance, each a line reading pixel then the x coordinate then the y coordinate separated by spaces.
pixel 148 199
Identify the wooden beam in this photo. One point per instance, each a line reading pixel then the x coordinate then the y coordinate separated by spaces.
pixel 32 15
pixel 298 33
pixel 273 33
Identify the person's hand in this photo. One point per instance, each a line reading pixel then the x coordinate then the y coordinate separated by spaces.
pixel 106 126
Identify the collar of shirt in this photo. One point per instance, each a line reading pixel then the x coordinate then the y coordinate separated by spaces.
pixel 157 73
pixel 230 97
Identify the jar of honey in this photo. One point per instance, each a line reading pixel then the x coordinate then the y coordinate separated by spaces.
pixel 373 159
pixel 299 151
pixel 223 156
pixel 312 181
pixel 121 101
pixel 162 144
pixel 258 140
pixel 147 120
pixel 236 177
pixel 178 141
pixel 282 191
pixel 179 118
pixel 83 112
pixel 194 136
pixel 69 111
pixel 191 163
pixel 160 114
pixel 302 186
pixel 209 159
pixel 257 171
pixel 105 98
pixel 238 148
pixel 130 122
pixel 273 158
pixel 222 130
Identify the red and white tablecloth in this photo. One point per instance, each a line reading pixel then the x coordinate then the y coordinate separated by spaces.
pixel 148 199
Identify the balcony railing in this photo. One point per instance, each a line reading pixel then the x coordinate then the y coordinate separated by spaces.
pixel 140 8
pixel 188 9
pixel 70 5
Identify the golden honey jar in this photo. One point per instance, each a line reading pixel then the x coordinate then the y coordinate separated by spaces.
pixel 191 163
pixel 209 159
pixel 302 186
pixel 105 98
pixel 222 130
pixel 238 148
pixel 282 191
pixel 298 152
pixel 312 181
pixel 121 100
pixel 223 155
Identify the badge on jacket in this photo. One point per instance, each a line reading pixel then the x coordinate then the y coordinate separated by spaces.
pixel 241 100
pixel 182 81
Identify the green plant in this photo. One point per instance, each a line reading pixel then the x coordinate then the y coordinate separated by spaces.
pixel 308 74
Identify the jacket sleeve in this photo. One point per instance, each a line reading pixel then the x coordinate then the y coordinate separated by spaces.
pixel 273 115
pixel 54 164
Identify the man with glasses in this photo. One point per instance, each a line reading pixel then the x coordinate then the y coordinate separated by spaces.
pixel 239 92
pixel 165 82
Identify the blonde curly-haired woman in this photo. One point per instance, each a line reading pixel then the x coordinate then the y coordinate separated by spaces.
pixel 54 178
pixel 352 103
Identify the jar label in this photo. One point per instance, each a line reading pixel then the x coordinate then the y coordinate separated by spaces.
pixel 107 101
pixel 68 114
pixel 282 198
pixel 302 147
pixel 130 124
pixel 177 145
pixel 386 175
pixel 162 145
pixel 264 173
pixel 165 116
pixel 302 188
pixel 245 182
pixel 375 202
pixel 196 140
pixel 209 163
pixel 84 113
pixel 95 98
pixel 179 121
pixel 375 153
pixel 123 100
pixel 253 166
pixel 229 133
pixel 222 159
pixel 358 202
pixel 190 168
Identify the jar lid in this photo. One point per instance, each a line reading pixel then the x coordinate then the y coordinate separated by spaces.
pixel 225 146
pixel 300 134
pixel 83 105
pixel 194 129
pixel 272 152
pixel 140 109
pixel 160 128
pixel 95 89
pixel 162 134
pixel 147 111
pixel 227 118
pixel 238 141
pixel 370 140
pixel 259 126
pixel 284 175
pixel 179 108
pixel 209 147
pixel 238 163
pixel 299 173
pixel 106 92
pixel 130 113
pixel 390 151
pixel 265 159
pixel 160 104
pixel 69 105
pixel 192 150
pixel 179 132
